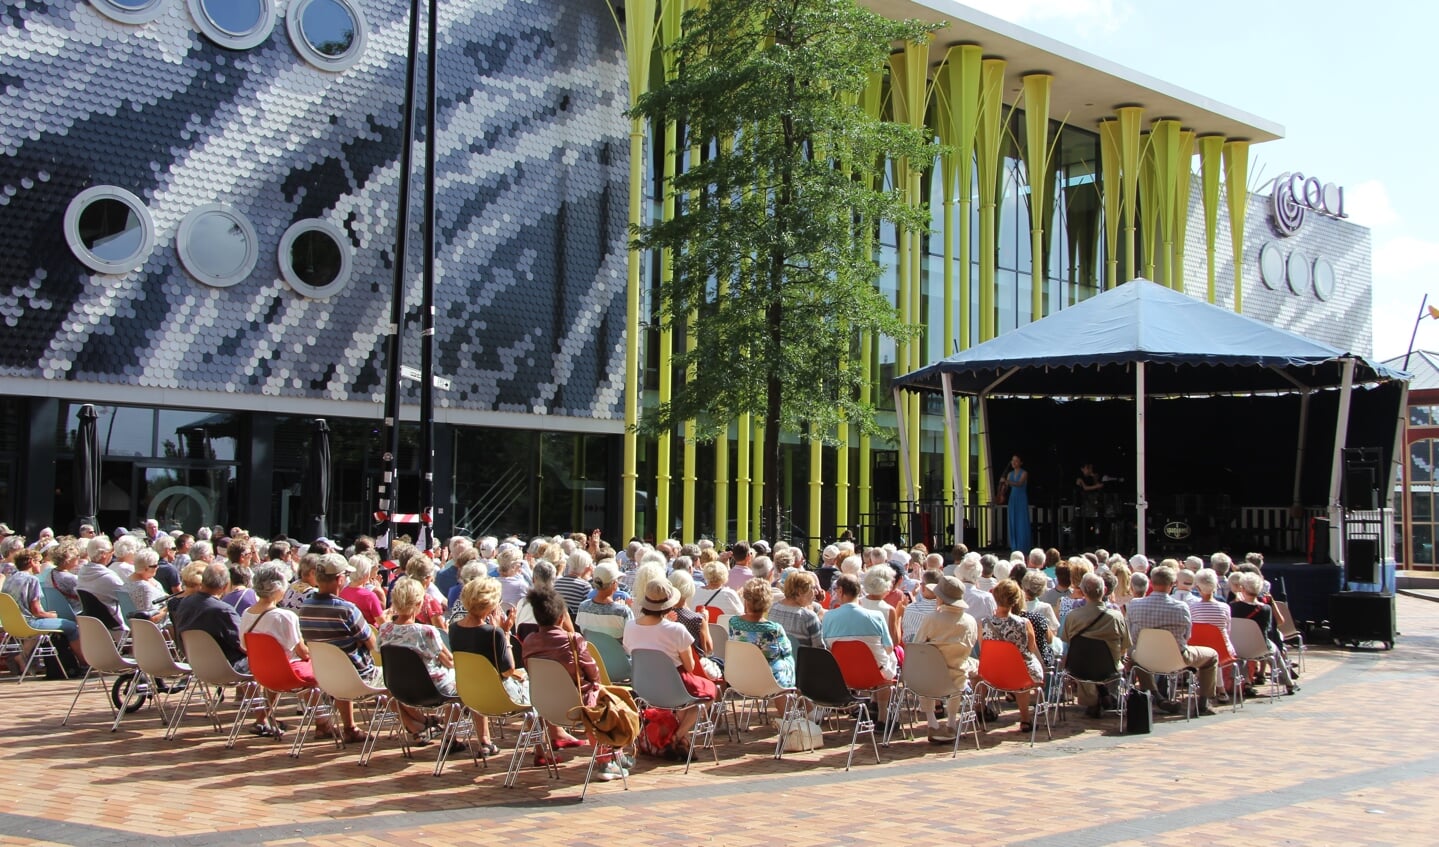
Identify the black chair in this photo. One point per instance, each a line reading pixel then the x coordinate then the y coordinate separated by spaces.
pixel 94 607
pixel 819 680
pixel 1088 660
pixel 409 682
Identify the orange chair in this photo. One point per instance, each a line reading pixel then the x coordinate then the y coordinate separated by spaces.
pixel 862 675
pixel 711 613
pixel 1211 636
pixel 1002 670
pixel 271 668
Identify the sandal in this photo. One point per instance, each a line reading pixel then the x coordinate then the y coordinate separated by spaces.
pixel 354 735
pixel 543 761
pixel 564 743
pixel 262 730
pixel 487 749
pixel 1026 726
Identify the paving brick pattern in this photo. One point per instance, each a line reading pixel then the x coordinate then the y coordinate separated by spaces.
pixel 1337 763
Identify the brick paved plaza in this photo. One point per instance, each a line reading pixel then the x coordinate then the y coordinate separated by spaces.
pixel 1349 760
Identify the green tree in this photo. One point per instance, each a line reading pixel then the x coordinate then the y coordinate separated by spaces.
pixel 773 241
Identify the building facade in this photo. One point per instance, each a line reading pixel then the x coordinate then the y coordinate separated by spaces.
pixel 200 201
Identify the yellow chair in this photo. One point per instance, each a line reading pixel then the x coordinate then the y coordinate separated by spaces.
pixel 483 692
pixel 599 662
pixel 18 630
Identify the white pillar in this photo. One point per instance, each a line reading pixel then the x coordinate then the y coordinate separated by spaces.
pixel 1141 506
pixel 905 477
pixel 1336 470
pixel 951 436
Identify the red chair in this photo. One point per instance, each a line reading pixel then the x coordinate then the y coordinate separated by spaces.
pixel 1211 636
pixel 711 613
pixel 862 675
pixel 1002 670
pixel 271 668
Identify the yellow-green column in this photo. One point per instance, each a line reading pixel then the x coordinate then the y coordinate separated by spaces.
pixel 671 15
pixel 1164 144
pixel 1130 153
pixel 1236 192
pixel 639 44
pixel 745 429
pixel 1148 205
pixel 1109 164
pixel 816 489
pixel 1183 180
pixel 1211 149
pixel 988 141
pixel 872 101
pixel 691 447
pixel 756 486
pixel 1036 164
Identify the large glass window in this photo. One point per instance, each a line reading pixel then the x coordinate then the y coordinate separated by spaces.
pixel 1422 455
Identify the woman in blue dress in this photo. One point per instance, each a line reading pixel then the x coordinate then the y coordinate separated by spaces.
pixel 1016 483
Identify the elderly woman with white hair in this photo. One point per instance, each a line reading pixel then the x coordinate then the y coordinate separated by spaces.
pixel 687 617
pixel 364 591
pixel 716 593
pixel 513 584
pixel 1209 610
pixel 876 583
pixel 1248 605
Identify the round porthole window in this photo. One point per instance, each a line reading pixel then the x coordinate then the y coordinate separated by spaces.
pixel 109 229
pixel 1298 272
pixel 1323 279
pixel 1271 266
pixel 315 258
pixel 217 245
pixel 129 11
pixel 237 24
pixel 329 34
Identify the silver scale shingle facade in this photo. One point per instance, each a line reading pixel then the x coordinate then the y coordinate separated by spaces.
pixel 531 203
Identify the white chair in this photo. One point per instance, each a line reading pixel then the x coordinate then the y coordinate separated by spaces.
pixel 927 674
pixel 750 680
pixel 98 646
pixel 1289 633
pixel 1157 653
pixel 158 669
pixel 1250 645
pixel 553 694
pixel 719 641
pixel 211 668
pixel 339 681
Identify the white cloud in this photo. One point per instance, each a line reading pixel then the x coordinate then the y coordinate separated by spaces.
pixel 1405 256
pixel 1367 204
pixel 1086 15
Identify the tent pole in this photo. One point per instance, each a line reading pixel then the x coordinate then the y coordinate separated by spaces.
pixel 986 493
pixel 1299 444
pixel 1336 469
pixel 1401 454
pixel 903 444
pixel 1140 504
pixel 951 439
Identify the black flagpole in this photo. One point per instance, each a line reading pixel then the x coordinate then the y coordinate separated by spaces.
pixel 390 482
pixel 427 306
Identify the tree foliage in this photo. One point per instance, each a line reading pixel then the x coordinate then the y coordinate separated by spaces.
pixel 773 236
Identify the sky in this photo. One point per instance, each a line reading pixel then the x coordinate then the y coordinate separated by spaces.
pixel 1350 83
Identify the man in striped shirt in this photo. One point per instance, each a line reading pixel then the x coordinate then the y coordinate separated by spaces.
pixel 326 617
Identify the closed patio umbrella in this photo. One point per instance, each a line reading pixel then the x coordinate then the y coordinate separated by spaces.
pixel 315 486
pixel 87 468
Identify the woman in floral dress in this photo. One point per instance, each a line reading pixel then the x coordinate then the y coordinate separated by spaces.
pixel 755 627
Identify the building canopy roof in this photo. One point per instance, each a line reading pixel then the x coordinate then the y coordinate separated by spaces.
pixel 1190 348
pixel 1424 365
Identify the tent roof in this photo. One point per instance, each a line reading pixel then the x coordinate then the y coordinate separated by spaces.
pixel 1424 364
pixel 1191 348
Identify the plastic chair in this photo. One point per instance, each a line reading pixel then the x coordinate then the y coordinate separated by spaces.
pixel 719 640
pixel 1250 645
pixel 212 669
pixel 927 674
pixel 270 665
pixel 127 605
pixel 749 679
pixel 862 674
pixel 17 630
pixel 157 666
pixel 599 663
pixel 339 681
pixel 1211 636
pixel 93 606
pixel 1288 632
pixel 657 682
pixel 98 645
pixel 54 601
pixel 554 697
pixel 483 692
pixel 409 682
pixel 617 661
pixel 1157 653
pixel 1089 661
pixel 820 680
pixel 711 614
pixel 1002 670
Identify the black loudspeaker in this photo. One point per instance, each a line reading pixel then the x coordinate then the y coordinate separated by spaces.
pixel 1361 560
pixel 1359 488
pixel 1358 616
